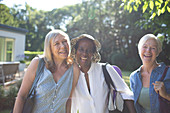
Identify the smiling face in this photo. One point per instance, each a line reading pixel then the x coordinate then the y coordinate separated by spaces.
pixel 60 47
pixel 149 51
pixel 84 53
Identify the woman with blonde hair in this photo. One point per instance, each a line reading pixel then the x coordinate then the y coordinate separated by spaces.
pixel 57 81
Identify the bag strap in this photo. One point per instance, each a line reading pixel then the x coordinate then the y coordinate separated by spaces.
pixel 107 77
pixel 164 74
pixel 38 73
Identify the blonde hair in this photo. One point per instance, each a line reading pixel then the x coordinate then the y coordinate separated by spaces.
pixel 47 47
pixel 145 38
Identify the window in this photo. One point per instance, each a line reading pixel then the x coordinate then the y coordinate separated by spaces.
pixel 6 49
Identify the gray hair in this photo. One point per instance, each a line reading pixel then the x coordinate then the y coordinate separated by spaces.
pixel 145 38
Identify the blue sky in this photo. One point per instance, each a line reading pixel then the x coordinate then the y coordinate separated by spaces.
pixel 46 5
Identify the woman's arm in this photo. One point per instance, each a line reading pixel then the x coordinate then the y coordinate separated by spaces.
pixel 76 73
pixel 122 87
pixel 26 85
pixel 120 84
pixel 130 106
pixel 160 87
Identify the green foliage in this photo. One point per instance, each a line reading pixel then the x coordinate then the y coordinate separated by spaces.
pixel 2 96
pixel 5 111
pixel 124 62
pixel 126 79
pixel 132 63
pixel 8 99
pixel 153 7
pixel 116 29
pixel 7 96
pixel 22 61
pixel 11 94
pixel 119 59
pixel 6 17
pixel 18 84
pixel 32 54
pixel 1 92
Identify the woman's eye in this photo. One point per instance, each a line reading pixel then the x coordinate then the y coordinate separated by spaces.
pixel 57 43
pixel 65 41
pixel 90 51
pixel 81 50
pixel 144 46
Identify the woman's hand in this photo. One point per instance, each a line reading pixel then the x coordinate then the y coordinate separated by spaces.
pixel 160 87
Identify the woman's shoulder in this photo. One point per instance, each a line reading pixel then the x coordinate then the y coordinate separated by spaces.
pixel 135 73
pixel 34 62
pixel 76 72
pixel 76 68
pixel 75 65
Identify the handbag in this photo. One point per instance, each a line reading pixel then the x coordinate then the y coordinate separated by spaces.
pixel 29 102
pixel 164 103
pixel 116 103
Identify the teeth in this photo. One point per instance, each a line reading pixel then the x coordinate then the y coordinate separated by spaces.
pixel 62 52
pixel 147 55
pixel 83 58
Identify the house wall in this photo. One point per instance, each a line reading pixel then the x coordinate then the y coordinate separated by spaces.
pixel 19 43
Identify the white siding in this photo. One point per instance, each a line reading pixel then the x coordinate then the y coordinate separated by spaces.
pixel 19 43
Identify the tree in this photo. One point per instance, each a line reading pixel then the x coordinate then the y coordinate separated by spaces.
pixel 156 14
pixel 35 22
pixel 153 7
pixel 6 17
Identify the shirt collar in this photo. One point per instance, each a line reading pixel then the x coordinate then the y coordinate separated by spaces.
pixel 158 69
pixel 90 70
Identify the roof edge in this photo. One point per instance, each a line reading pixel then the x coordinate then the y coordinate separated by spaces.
pixel 13 28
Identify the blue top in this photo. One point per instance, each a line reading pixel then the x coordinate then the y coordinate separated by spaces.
pixel 136 86
pixel 51 97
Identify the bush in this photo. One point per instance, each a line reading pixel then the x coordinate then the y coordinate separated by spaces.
pixel 118 59
pixel 8 97
pixel 125 62
pixel 18 84
pixel 11 94
pixel 1 92
pixel 32 54
pixel 132 64
pixel 2 95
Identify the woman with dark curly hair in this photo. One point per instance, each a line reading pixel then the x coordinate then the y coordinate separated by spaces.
pixel 91 93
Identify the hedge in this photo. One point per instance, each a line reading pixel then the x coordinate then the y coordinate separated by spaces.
pixel 31 54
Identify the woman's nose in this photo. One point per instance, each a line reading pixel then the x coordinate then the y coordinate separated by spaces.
pixel 62 45
pixel 85 52
pixel 148 49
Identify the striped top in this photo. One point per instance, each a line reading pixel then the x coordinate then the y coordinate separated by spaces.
pixel 51 97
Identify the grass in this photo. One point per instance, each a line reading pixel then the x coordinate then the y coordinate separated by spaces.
pixel 5 111
pixel 126 75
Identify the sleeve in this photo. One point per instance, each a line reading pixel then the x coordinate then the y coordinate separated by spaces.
pixel 120 84
pixel 132 81
pixel 167 81
pixel 118 70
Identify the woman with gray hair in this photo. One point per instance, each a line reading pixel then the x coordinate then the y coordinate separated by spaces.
pixel 57 80
pixel 144 81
